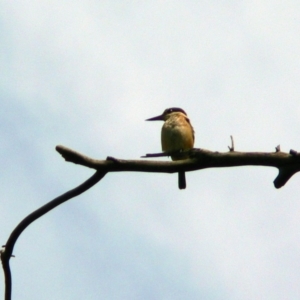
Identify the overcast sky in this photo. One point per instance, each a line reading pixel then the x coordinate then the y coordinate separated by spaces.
pixel 86 74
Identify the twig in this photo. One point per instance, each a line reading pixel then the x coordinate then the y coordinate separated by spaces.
pixel 231 149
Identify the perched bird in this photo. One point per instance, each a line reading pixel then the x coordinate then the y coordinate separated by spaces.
pixel 177 134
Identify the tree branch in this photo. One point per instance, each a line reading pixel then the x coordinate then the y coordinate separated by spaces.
pixel 287 163
pixel 6 251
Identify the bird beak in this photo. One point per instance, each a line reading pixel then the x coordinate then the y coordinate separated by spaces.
pixel 158 118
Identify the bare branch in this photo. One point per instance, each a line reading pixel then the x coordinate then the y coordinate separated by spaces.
pixel 287 164
pixel 6 252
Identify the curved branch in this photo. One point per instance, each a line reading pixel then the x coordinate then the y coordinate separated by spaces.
pixel 6 252
pixel 287 163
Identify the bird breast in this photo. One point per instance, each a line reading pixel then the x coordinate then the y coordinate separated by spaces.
pixel 177 134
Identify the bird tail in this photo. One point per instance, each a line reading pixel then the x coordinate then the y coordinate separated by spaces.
pixel 181 180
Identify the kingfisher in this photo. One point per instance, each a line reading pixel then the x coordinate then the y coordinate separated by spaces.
pixel 177 134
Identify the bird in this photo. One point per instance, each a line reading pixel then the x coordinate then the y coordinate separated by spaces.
pixel 177 134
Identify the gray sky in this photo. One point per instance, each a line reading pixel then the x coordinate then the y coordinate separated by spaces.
pixel 86 74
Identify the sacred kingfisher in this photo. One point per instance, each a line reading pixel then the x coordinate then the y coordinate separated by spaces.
pixel 177 134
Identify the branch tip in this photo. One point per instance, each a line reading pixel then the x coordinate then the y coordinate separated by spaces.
pixel 231 149
pixel 285 173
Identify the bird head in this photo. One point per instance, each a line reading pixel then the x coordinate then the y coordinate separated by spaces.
pixel 167 113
